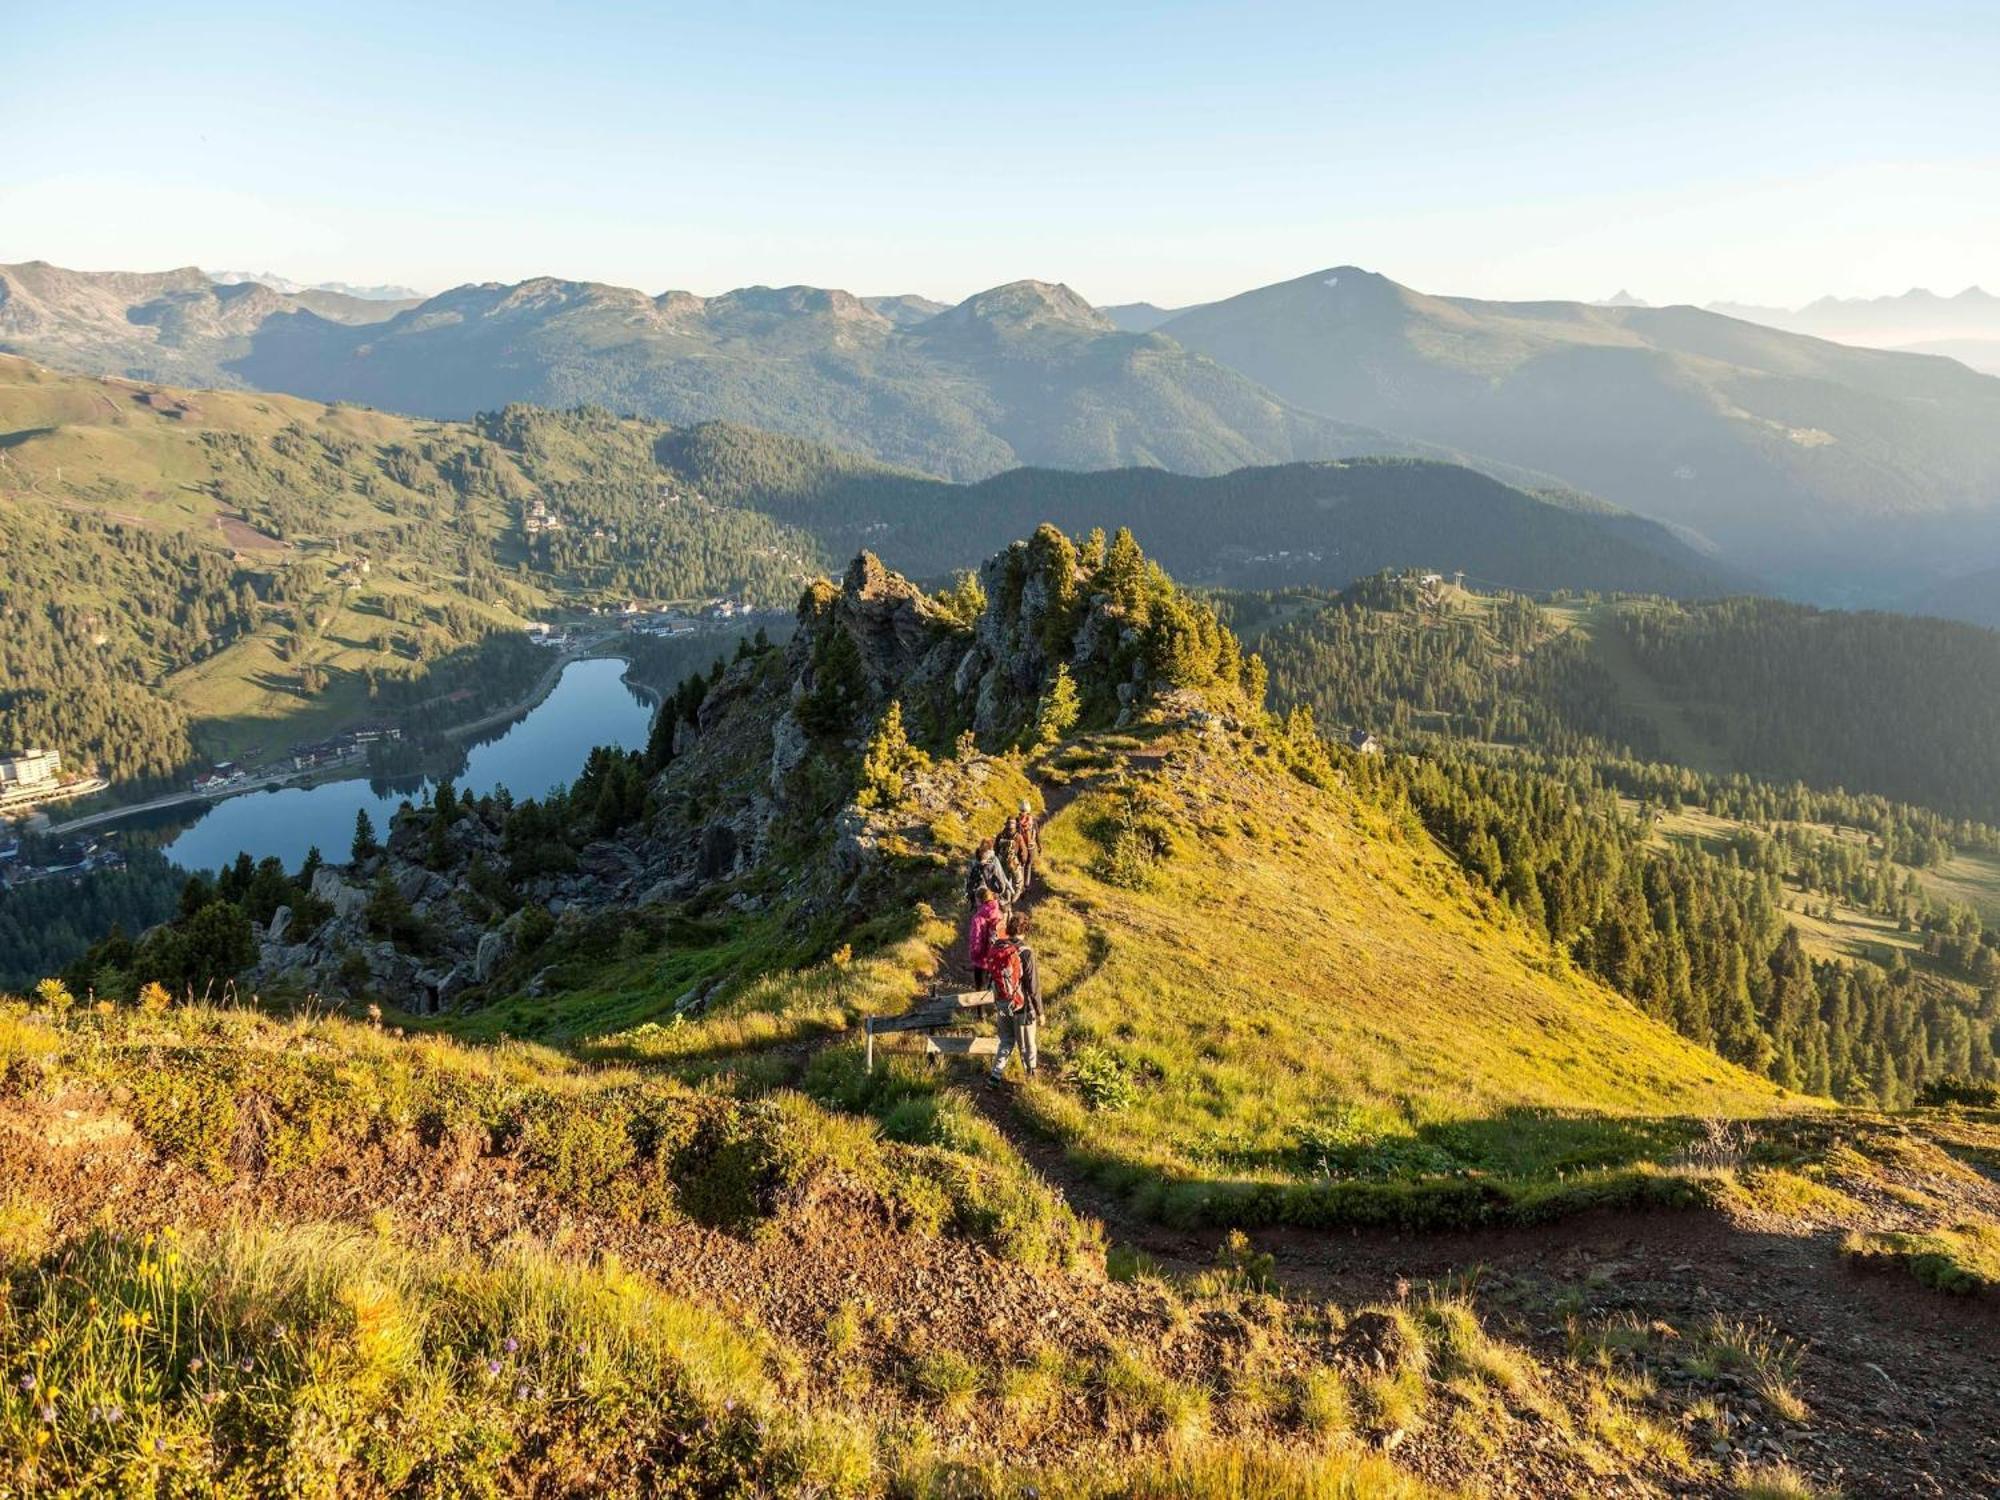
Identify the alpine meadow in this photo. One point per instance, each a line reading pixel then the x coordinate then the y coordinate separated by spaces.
pixel 627 872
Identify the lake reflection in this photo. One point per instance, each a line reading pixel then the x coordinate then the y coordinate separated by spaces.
pixel 591 705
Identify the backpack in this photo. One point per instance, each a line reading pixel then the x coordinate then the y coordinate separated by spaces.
pixel 1003 962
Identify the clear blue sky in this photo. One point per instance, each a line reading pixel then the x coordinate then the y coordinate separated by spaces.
pixel 1171 152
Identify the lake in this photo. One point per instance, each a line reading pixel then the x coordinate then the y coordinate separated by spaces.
pixel 591 705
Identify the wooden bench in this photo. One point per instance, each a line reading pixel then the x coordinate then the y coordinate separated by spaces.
pixel 939 1013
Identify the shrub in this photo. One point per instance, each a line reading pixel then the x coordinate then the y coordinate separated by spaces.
pixel 54 997
pixel 1100 1077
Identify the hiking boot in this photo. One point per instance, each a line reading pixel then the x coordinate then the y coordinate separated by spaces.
pixel 993 1080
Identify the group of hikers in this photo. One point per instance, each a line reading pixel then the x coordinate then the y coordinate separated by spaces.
pixel 997 938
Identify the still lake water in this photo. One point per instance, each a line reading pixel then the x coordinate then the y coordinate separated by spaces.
pixel 591 705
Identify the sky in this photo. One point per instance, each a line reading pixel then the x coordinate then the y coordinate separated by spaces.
pixel 1165 152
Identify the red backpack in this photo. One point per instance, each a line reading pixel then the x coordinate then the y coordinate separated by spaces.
pixel 1003 962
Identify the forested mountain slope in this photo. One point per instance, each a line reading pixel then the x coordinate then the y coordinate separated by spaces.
pixel 1843 940
pixel 212 564
pixel 1900 706
pixel 242 561
pixel 1321 523
pixel 1817 464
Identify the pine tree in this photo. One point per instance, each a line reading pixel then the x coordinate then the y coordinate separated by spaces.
pixel 889 761
pixel 364 846
pixel 1059 710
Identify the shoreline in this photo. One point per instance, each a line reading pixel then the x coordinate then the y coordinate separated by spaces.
pixel 326 775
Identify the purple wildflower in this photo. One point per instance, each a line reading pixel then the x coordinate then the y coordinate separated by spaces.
pixel 159 1445
pixel 27 1382
pixel 492 1367
pixel 46 1412
pixel 520 1393
pixel 510 1344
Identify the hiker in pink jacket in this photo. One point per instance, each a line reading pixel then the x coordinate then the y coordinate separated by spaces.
pixel 983 929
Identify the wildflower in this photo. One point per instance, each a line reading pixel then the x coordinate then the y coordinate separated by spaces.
pixel 520 1393
pixel 27 1382
pixel 195 1365
pixel 245 1364
pixel 128 1320
pixel 510 1345
pixel 210 1397
pixel 492 1368
pixel 729 1403
pixel 159 1445
pixel 46 1412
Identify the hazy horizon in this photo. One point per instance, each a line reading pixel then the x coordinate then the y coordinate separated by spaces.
pixel 1696 155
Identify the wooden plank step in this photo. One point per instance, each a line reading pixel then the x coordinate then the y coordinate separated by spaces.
pixel 934 1015
pixel 939 1011
pixel 963 1046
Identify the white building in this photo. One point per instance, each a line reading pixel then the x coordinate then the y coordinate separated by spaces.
pixel 29 768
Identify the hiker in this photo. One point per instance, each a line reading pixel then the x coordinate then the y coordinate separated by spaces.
pixel 1027 843
pixel 1017 996
pixel 987 870
pixel 980 932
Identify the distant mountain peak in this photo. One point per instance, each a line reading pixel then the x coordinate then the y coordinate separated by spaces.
pixel 1030 304
pixel 1622 298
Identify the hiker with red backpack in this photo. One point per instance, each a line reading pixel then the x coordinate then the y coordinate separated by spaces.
pixel 1017 996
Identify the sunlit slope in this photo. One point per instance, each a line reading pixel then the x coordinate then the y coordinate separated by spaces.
pixel 1302 970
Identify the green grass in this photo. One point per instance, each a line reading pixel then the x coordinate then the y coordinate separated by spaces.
pixel 1301 1013
pixel 317 1362
pixel 1963 1260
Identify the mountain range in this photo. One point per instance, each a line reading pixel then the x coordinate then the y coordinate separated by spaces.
pixel 1965 327
pixel 1844 475
pixel 285 284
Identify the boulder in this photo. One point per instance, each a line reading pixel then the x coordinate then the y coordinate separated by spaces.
pixel 456 981
pixel 486 961
pixel 346 900
pixel 280 920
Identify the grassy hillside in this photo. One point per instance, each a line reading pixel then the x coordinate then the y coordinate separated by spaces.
pixel 1823 466
pixel 1299 989
pixel 683 1241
